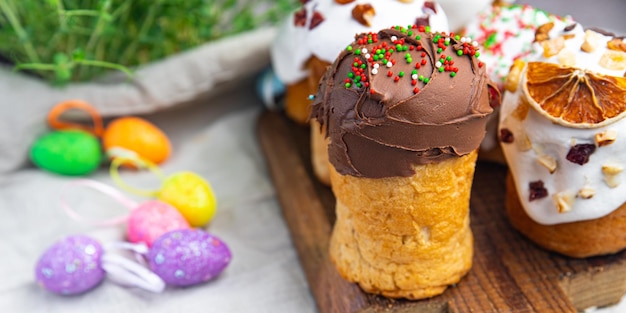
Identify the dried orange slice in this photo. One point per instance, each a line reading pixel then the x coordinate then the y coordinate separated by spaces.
pixel 574 97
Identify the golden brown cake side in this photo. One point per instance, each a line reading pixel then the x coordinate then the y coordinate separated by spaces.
pixel 297 102
pixel 600 236
pixel 405 237
pixel 319 153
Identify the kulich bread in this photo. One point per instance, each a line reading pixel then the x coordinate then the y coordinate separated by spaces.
pixel 319 153
pixel 403 129
pixel 561 129
pixel 405 237
pixel 576 239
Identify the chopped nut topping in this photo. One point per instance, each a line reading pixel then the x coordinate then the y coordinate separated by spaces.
pixel 567 58
pixel 605 138
pixel 617 44
pixel 568 36
pixel 344 1
pixel 592 41
pixel 611 174
pixel 364 13
pixel 299 18
pixel 552 47
pixel 542 31
pixel 523 143
pixel 569 27
pixel 564 201
pixel 586 192
pixel 548 162
pixel 613 60
pixel 515 72
pixel 521 111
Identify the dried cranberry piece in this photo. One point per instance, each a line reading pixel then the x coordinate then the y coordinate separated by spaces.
pixel 580 153
pixel 429 5
pixel 494 96
pixel 304 1
pixel 317 19
pixel 506 135
pixel 422 21
pixel 569 27
pixel 299 18
pixel 537 190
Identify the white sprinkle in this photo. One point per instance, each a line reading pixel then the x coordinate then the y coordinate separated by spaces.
pixel 367 55
pixel 389 64
pixel 475 43
pixel 90 249
pixel 414 76
pixel 374 71
pixel 364 50
pixel 394 38
pixel 376 65
pixel 438 64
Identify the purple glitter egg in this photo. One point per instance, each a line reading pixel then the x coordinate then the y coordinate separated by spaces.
pixel 187 257
pixel 71 266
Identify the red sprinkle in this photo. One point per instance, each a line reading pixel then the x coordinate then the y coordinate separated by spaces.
pixel 423 61
pixel 416 90
pixel 414 82
pixel 396 79
pixel 390 73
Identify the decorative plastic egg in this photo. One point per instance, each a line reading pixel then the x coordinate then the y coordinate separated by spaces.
pixel 71 266
pixel 67 152
pixel 191 195
pixel 138 135
pixel 188 257
pixel 151 219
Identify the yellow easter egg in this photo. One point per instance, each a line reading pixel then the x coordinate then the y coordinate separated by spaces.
pixel 138 135
pixel 191 195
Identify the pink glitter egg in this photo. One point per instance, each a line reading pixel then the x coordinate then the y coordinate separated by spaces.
pixel 151 219
pixel 188 257
pixel 71 266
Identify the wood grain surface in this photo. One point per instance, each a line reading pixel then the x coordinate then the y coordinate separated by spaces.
pixel 509 274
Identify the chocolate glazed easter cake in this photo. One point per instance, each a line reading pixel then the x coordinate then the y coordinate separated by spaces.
pixel 405 111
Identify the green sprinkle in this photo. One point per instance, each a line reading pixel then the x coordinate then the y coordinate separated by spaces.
pixel 349 48
pixel 357 79
pixel 418 37
pixel 401 74
pixel 363 65
pixel 357 51
pixel 397 27
pixel 421 78
pixel 370 41
pixel 477 54
pixel 410 33
pixel 459 52
pixel 457 37
pixel 427 28
pixel 426 80
pixel 348 85
pixel 440 69
pixel 391 50
pixel 446 43
pixel 355 64
pixel 377 51
pixel 351 75
pixel 449 58
pixel 408 55
pixel 398 47
pixel 359 85
pixel 452 74
pixel 439 50
pixel 413 72
pixel 409 60
pixel 375 57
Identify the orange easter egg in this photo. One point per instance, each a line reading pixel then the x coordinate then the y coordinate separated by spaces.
pixel 138 135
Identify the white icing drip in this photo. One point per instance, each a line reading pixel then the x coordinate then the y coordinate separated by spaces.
pixel 294 45
pixel 556 140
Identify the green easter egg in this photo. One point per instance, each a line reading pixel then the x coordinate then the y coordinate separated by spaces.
pixel 68 152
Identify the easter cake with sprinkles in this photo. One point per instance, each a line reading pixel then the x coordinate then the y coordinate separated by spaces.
pixel 405 111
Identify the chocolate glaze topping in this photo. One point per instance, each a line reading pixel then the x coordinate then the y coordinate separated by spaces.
pixel 423 102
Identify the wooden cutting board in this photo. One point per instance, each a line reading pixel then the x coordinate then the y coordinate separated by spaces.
pixel 509 273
